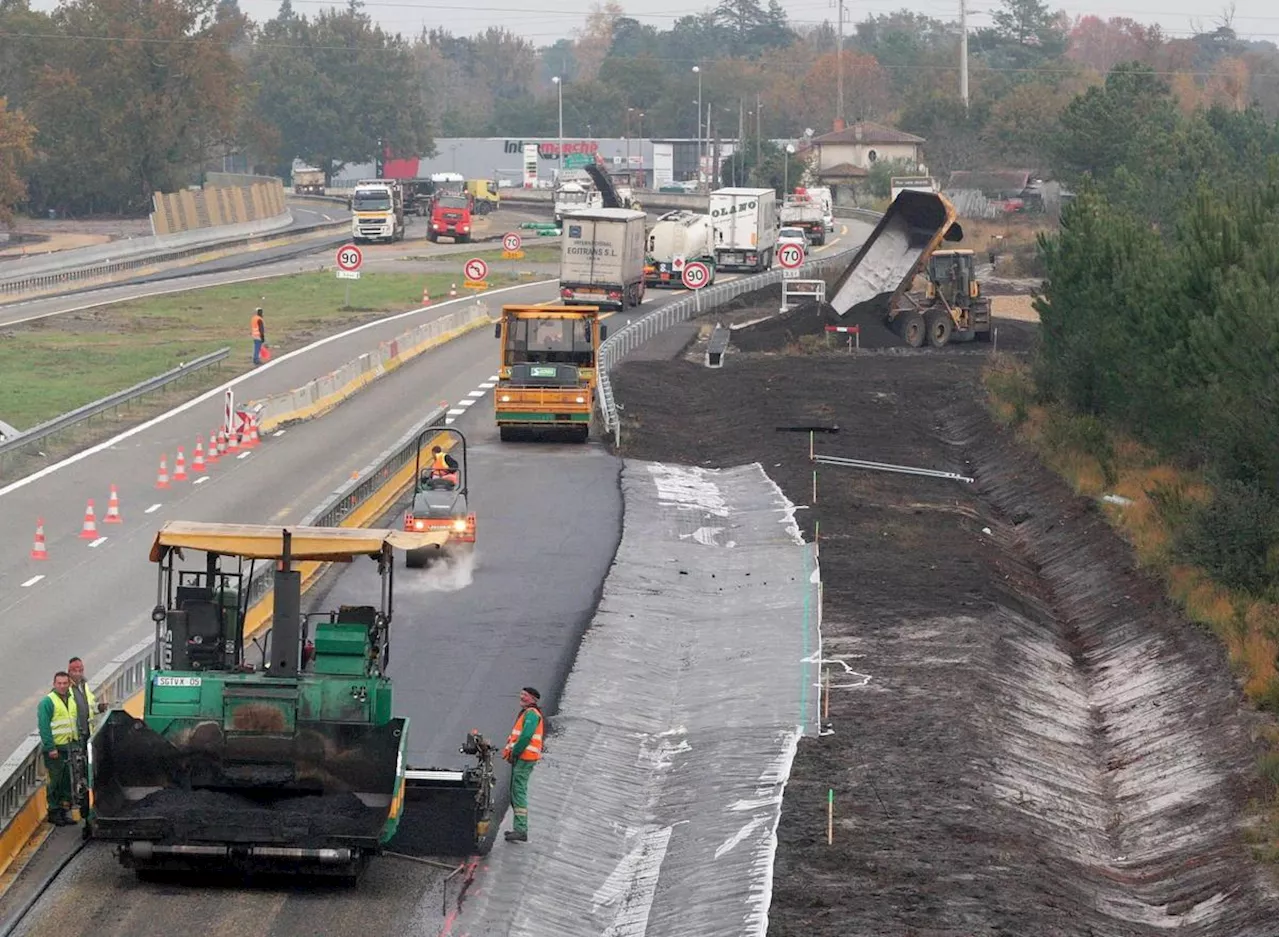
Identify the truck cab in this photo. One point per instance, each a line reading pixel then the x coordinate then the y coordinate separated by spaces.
pixel 377 211
pixel 547 372
pixel 451 217
pixel 484 195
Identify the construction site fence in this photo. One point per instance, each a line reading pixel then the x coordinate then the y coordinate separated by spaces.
pixel 306 401
pixel 123 398
pixel 21 775
pixel 699 302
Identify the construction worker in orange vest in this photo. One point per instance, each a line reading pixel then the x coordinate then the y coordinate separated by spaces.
pixel 444 466
pixel 258 329
pixel 523 749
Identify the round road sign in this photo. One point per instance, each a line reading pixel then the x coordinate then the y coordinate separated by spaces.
pixel 696 275
pixel 511 242
pixel 791 255
pixel 349 257
pixel 475 269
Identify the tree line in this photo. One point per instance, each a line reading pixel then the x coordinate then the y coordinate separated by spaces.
pixel 107 101
pixel 1159 314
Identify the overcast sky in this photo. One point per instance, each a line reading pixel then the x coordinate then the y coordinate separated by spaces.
pixel 1253 18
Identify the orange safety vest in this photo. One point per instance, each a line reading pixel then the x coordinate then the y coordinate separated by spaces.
pixel 439 464
pixel 534 750
pixel 255 326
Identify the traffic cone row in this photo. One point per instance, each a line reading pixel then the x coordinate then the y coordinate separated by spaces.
pixel 453 290
pixel 220 443
pixel 426 296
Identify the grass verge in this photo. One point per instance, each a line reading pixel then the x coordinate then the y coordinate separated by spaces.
pixel 1097 461
pixel 54 365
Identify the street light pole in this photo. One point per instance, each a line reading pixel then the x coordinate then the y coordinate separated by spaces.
pixel 560 144
pixel 698 71
pixel 786 166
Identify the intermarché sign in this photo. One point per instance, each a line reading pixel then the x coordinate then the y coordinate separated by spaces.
pixel 551 150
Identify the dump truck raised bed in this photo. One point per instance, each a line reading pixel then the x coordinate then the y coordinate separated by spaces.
pixel 873 289
pixel 547 374
pixel 295 763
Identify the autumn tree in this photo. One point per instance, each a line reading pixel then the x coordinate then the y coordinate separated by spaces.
pixel 16 136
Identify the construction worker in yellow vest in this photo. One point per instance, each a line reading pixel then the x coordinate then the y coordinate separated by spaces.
pixel 56 721
pixel 523 749
pixel 87 705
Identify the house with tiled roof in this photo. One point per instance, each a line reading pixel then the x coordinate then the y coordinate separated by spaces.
pixel 843 158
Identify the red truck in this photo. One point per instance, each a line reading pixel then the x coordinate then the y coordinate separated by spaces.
pixel 451 217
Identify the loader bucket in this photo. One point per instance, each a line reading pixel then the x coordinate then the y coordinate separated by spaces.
pixel 915 224
pixel 197 795
pixel 446 814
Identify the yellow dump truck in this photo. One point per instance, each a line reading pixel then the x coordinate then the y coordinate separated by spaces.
pixel 547 374
pixel 484 195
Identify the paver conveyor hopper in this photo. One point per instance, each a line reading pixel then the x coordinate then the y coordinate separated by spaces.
pixel 293 764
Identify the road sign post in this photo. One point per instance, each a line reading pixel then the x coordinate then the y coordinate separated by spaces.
pixel 474 272
pixel 349 259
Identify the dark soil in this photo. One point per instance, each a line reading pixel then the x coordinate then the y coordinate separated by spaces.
pixel 1028 740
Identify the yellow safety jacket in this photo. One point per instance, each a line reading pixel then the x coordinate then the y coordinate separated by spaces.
pixel 63 723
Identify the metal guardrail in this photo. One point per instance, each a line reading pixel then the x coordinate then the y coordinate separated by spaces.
pixel 66 421
pixel 632 336
pixel 149 256
pixel 20 778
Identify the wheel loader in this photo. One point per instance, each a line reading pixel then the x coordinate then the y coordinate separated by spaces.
pixel 294 763
pixel 873 289
pixel 440 500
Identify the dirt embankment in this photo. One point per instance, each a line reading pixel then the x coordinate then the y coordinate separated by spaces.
pixel 1028 739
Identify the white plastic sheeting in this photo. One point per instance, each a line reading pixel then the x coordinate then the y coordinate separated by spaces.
pixel 655 808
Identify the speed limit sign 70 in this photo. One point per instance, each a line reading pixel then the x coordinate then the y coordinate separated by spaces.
pixel 475 269
pixel 791 255
pixel 511 242
pixel 696 275
pixel 349 257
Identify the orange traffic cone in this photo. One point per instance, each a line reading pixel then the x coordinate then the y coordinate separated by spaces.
pixel 37 548
pixel 252 439
pixel 113 508
pixel 162 478
pixel 453 290
pixel 211 456
pixel 180 466
pixel 222 441
pixel 233 441
pixel 197 463
pixel 426 296
pixel 90 529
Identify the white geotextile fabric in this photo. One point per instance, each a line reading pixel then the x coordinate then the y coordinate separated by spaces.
pixel 655 808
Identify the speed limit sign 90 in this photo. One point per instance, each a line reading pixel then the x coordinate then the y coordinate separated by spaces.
pixel 349 257
pixel 696 275
pixel 791 255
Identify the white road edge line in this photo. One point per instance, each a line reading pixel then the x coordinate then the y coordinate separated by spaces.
pixel 152 509
pixel 487 385
pixel 222 388
pixel 466 403
pixel 456 411
pixel 32 581
pixel 475 393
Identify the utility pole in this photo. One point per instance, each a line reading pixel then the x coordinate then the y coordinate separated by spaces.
pixel 840 63
pixel 964 57
pixel 758 129
pixel 738 154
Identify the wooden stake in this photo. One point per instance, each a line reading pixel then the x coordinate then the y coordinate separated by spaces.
pixel 810 445
pixel 815 486
pixel 831 803
pixel 826 693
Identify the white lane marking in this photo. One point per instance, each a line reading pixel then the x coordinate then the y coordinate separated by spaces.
pixel 201 480
pixel 235 381
pixel 494 378
pixel 326 218
pixel 32 581
pixel 475 393
pixel 455 411
pixel 278 433
pixel 466 403
pixel 152 509
pixel 98 542
pixel 448 421
pixel 488 385
pixel 244 455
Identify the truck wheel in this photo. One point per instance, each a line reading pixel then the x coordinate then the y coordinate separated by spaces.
pixel 938 325
pixel 912 329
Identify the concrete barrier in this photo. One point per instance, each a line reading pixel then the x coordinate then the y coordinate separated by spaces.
pixel 319 396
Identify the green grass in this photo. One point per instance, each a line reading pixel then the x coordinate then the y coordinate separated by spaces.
pixel 54 365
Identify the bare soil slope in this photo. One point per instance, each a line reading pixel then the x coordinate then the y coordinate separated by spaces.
pixel 1028 741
